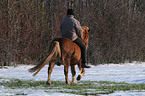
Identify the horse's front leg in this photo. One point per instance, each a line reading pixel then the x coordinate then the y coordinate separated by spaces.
pixel 50 68
pixel 73 71
pixel 82 71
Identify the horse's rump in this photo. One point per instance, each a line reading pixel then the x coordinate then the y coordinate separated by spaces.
pixel 69 49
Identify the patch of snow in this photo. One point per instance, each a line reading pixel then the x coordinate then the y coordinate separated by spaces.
pixel 126 93
pixel 129 72
pixel 30 92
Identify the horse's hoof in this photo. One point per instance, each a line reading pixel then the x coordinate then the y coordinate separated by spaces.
pixel 47 83
pixel 67 83
pixel 74 82
pixel 79 77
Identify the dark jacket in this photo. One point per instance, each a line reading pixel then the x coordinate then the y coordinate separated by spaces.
pixel 71 28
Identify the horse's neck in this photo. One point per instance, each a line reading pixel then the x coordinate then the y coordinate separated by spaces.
pixel 85 40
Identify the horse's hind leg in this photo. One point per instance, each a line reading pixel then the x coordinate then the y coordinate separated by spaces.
pixel 66 68
pixel 82 72
pixel 50 68
pixel 73 71
pixel 66 74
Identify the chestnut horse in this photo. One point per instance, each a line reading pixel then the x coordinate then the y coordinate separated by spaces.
pixel 67 51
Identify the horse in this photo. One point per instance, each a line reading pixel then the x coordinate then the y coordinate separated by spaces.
pixel 68 52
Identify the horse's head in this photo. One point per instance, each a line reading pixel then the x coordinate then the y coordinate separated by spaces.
pixel 86 31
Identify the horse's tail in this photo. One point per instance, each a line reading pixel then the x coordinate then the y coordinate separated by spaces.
pixel 54 53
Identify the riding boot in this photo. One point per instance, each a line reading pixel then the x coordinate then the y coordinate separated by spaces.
pixel 85 65
pixel 83 53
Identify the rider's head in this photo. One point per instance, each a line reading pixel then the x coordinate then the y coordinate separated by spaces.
pixel 70 12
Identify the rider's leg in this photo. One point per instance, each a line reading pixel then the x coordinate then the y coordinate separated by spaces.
pixel 83 52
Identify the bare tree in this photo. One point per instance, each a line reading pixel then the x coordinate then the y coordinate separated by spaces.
pixel 28 26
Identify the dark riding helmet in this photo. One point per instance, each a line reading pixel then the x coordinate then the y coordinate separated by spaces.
pixel 70 12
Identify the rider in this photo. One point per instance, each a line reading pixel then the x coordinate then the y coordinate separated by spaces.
pixel 71 28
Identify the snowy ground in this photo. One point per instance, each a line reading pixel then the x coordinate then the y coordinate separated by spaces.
pixel 129 72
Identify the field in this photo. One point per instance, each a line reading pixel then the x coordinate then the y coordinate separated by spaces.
pixel 108 79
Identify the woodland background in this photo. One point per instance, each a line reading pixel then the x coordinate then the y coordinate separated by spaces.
pixel 28 26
